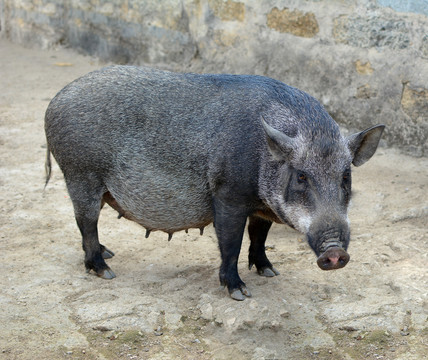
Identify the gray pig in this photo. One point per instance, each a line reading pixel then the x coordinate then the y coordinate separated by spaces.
pixel 176 151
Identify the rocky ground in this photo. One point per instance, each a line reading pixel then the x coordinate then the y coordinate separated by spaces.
pixel 166 302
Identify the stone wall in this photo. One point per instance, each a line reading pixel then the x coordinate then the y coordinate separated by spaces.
pixel 365 60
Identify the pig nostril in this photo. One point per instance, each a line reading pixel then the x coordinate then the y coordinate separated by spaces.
pixel 344 259
pixel 326 263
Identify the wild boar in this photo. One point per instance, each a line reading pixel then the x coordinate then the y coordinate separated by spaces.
pixel 176 151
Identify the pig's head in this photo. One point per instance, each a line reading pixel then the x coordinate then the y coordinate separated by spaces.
pixel 307 182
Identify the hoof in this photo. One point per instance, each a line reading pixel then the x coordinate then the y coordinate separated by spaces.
pixel 268 272
pixel 107 274
pixel 245 291
pixel 107 254
pixel 240 294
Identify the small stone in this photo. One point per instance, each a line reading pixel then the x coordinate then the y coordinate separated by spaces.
pixel 275 326
pixel 172 319
pixel 404 331
pixel 253 304
pixel 284 314
pixel 206 311
pixel 158 331
pixel 360 336
pixel 249 323
pixel 231 321
pixel 101 328
pixel 218 322
pixel 348 328
pixel 265 310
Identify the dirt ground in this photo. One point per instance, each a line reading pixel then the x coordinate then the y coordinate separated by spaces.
pixel 166 302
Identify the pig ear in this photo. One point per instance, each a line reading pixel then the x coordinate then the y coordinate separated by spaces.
pixel 280 145
pixel 364 144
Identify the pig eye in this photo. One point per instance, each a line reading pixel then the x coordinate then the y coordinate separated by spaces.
pixel 301 177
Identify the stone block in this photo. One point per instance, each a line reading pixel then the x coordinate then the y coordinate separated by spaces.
pixel 295 22
pixel 363 68
pixel 225 38
pixel 365 92
pixel 228 10
pixel 391 32
pixel 414 102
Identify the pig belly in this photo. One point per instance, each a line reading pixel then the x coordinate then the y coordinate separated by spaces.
pixel 160 206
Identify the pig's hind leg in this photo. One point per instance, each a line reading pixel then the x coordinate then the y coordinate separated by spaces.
pixel 86 194
pixel 258 229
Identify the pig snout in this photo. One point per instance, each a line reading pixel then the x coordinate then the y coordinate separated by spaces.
pixel 333 258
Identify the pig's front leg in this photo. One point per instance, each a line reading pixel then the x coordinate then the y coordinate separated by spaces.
pixel 229 223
